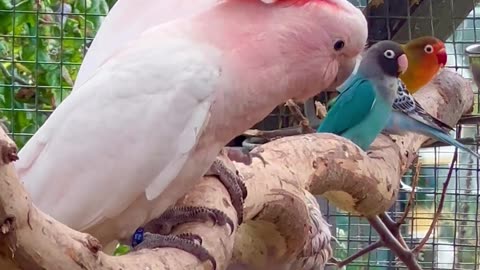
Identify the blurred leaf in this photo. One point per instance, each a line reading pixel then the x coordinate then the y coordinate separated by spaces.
pixel 66 76
pixel 83 5
pixel 121 250
pixel 5 4
pixel 4 48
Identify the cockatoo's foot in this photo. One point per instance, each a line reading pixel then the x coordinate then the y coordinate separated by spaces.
pixel 186 242
pixel 233 183
pixel 243 155
pixel 179 215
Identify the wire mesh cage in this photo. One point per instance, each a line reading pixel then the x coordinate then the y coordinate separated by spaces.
pixel 43 42
pixel 455 241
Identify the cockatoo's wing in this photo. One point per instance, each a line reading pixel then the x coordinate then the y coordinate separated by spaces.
pixel 407 104
pixel 137 118
pixel 121 27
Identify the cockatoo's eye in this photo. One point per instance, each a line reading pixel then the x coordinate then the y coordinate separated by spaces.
pixel 339 44
pixel 389 54
pixel 428 49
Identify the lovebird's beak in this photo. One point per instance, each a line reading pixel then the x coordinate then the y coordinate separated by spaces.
pixel 402 61
pixel 442 57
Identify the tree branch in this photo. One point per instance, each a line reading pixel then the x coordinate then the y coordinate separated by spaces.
pixel 331 166
pixel 278 217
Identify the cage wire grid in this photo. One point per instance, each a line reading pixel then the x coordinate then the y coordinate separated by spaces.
pixel 42 43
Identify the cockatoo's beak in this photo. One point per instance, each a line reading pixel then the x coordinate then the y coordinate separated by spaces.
pixel 345 69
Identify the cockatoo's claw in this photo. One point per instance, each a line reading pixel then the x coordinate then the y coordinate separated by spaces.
pixel 191 237
pixel 233 183
pixel 183 242
pixel 179 215
pixel 243 155
pixel 242 186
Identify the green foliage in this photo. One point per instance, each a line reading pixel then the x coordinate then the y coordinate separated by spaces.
pixel 121 250
pixel 40 54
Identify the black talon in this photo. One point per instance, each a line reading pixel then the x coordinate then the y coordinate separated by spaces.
pixel 184 243
pixel 179 215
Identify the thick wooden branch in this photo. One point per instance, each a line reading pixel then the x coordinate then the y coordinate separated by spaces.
pixel 278 218
pixel 331 166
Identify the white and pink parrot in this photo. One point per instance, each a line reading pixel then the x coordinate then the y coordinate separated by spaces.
pixel 165 85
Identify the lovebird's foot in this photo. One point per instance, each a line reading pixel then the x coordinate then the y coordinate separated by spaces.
pixel 388 135
pixel 374 155
pixel 179 215
pixel 186 242
pixel 378 147
pixel 243 155
pixel 233 183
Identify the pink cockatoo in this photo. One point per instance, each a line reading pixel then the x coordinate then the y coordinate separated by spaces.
pixel 159 96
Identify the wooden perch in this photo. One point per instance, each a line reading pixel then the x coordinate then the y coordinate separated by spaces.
pixel 331 166
pixel 278 228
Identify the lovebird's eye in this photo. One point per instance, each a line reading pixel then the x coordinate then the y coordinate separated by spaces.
pixel 339 45
pixel 428 49
pixel 389 54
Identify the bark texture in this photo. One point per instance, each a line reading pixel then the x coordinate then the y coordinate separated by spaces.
pixel 283 228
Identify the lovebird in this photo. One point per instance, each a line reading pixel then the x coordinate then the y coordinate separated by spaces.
pixel 409 115
pixel 158 98
pixel 364 107
pixel 426 57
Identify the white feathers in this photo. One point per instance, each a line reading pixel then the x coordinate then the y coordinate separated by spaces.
pixel 126 131
pixel 122 26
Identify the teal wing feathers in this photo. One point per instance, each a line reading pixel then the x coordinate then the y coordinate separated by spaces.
pixel 351 107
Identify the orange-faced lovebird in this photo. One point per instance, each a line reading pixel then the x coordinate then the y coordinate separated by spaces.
pixel 158 97
pixel 426 56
